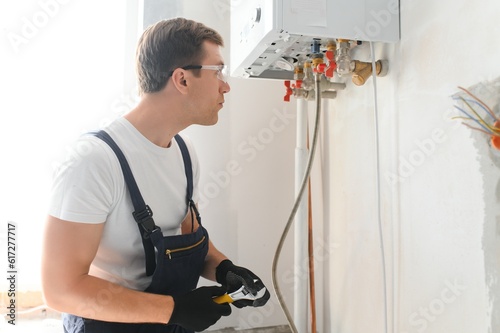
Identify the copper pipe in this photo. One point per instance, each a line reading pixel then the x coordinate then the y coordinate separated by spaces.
pixel 312 289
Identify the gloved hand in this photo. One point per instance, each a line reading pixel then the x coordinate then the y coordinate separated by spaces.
pixel 233 277
pixel 197 311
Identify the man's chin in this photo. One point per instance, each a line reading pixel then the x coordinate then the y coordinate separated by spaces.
pixel 209 122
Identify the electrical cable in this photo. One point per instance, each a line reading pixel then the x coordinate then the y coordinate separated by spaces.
pixel 377 168
pixel 491 130
pixel 481 120
pixel 494 129
pixel 296 205
pixel 478 129
pixel 490 112
pixel 480 123
pixel 477 103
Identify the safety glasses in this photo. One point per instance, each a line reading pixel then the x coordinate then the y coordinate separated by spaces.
pixel 222 71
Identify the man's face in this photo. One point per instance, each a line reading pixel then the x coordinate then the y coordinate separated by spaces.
pixel 207 91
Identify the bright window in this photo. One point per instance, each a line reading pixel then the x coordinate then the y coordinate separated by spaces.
pixel 64 71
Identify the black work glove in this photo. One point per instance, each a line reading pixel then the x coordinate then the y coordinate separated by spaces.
pixel 233 277
pixel 197 311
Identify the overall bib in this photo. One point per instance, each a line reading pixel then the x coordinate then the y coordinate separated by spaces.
pixel 179 259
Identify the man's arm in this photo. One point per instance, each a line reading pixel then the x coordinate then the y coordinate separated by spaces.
pixel 213 259
pixel 68 251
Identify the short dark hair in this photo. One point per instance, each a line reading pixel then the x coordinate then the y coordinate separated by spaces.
pixel 167 45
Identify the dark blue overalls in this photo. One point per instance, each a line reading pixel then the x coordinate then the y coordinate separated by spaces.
pixel 179 259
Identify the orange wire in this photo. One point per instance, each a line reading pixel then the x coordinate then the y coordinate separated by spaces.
pixel 311 264
pixel 490 111
pixel 480 130
pixel 312 288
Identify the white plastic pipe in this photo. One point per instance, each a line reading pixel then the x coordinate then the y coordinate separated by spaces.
pixel 301 275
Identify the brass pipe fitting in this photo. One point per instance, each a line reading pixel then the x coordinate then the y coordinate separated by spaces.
pixel 363 70
pixel 331 46
pixel 298 73
pixel 316 61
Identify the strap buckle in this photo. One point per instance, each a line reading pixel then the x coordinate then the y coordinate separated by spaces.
pixel 192 205
pixel 145 219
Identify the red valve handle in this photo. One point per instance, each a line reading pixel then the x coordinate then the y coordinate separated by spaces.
pixel 289 91
pixel 332 65
pixel 320 68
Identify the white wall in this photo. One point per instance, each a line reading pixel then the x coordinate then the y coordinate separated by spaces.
pixel 247 171
pixel 439 216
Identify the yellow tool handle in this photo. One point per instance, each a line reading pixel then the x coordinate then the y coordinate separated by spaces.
pixel 223 299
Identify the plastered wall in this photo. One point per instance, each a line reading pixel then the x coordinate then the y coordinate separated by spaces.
pixel 438 180
pixel 438 185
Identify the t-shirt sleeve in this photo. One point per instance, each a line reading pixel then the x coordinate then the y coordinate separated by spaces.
pixel 83 186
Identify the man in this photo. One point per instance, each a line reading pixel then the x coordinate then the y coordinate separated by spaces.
pixel 99 242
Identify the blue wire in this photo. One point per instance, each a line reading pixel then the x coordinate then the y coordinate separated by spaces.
pixel 474 119
pixel 476 102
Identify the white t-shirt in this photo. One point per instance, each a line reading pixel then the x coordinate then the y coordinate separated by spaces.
pixel 90 188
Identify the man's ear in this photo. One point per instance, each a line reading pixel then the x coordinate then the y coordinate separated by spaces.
pixel 179 80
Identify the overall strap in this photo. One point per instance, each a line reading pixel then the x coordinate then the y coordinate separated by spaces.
pixel 188 168
pixel 142 214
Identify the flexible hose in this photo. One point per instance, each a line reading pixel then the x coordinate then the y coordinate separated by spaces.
pixel 303 185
